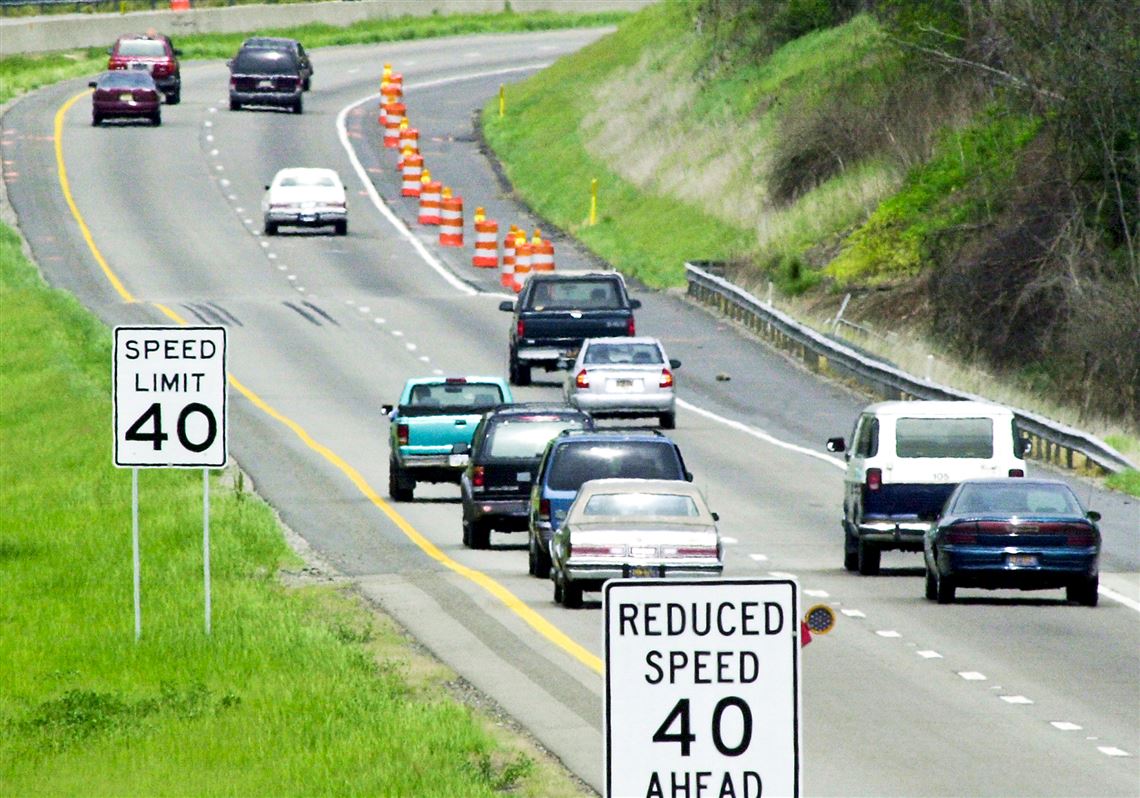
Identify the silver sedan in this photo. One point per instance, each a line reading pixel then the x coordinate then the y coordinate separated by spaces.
pixel 633 528
pixel 623 377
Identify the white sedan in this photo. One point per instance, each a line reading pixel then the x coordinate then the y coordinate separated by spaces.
pixel 632 528
pixel 305 197
pixel 623 377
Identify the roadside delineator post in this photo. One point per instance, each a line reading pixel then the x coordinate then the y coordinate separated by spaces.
pixel 450 220
pixel 486 241
pixel 542 260
pixel 430 191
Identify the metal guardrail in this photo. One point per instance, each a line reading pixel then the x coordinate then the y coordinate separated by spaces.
pixel 1052 442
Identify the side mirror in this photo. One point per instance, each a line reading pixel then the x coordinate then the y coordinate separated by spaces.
pixel 715 516
pixel 91 84
pixel 230 63
pixel 674 363
pixel 634 304
pixel 387 409
pixel 688 476
pixel 836 445
pixel 1093 516
pixel 508 305
pixel 178 51
pixel 929 515
pixel 267 187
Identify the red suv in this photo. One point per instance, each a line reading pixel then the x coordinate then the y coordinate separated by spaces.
pixel 154 53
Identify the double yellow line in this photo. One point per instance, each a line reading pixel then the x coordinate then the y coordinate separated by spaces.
pixel 509 599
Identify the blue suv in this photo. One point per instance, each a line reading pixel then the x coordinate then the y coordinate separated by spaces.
pixel 576 456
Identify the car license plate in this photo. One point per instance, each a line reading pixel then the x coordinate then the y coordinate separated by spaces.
pixel 125 98
pixel 1022 560
pixel 523 476
pixel 139 65
pixel 643 571
pixel 265 84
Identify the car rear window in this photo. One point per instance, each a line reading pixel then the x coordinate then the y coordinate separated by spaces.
pixel 945 437
pixel 670 505
pixel 622 354
pixel 307 179
pixel 265 62
pixel 449 396
pixel 126 79
pixel 575 295
pixel 142 48
pixel 1015 498
pixel 516 440
pixel 575 463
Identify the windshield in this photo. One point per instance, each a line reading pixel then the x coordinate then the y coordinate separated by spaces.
pixel 945 437
pixel 575 295
pixel 670 505
pixel 576 463
pixel 622 354
pixel 524 439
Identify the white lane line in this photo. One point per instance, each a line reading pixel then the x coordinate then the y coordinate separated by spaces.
pixel 1016 699
pixel 1109 750
pixel 728 540
pixel 817 593
pixel 398 333
pixel 1064 725
pixel 759 557
pixel 854 613
pixel 411 347
pixel 887 633
pixel 972 676
pixel 928 654
pixel 378 320
pixel 781 575
pixel 760 434
pixel 1108 592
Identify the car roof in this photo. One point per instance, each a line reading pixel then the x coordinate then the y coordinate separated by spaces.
pixel 298 171
pixel 612 436
pixel 638 339
pixel 533 408
pixel 564 274
pixel 443 380
pixel 1006 482
pixel 935 408
pixel 626 485
pixel 267 41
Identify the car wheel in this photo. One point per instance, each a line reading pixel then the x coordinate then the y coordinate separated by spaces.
pixel 1084 592
pixel 174 97
pixel 467 534
pixel 571 595
pixel 480 535
pixel 156 120
pixel 539 560
pixel 298 106
pixel 96 120
pixel 308 84
pixel 341 227
pixel 234 105
pixel 931 584
pixel 558 591
pixel 271 228
pixel 869 558
pixel 668 420
pixel 518 373
pixel 944 589
pixel 400 487
pixel 850 551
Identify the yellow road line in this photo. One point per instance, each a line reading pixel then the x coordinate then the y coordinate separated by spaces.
pixel 509 599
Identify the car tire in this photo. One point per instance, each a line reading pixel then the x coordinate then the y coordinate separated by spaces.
pixel 869 558
pixel 1084 592
pixel 308 84
pixel 571 595
pixel 480 535
pixel 944 589
pixel 341 228
pixel 539 560
pixel 234 105
pixel 96 120
pixel 174 97
pixel 518 373
pixel 156 120
pixel 400 488
pixel 668 420
pixel 850 551
pixel 298 106
pixel 558 593
pixel 271 228
pixel 931 584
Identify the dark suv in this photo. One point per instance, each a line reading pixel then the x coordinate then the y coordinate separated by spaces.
pixel 291 46
pixel 505 451
pixel 260 76
pixel 154 53
pixel 575 457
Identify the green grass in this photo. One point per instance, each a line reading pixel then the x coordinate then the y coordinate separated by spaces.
pixel 22 73
pixel 297 691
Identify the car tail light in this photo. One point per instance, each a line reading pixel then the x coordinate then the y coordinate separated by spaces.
pixel 402 434
pixel 666 379
pixel 456 380
pixel 630 327
pixel 544 510
pixel 604 551
pixel 478 477
pixel 520 328
pixel 689 551
pixel 874 478
pixel 233 83
pixel 958 534
pixel 1016 472
pixel 1080 536
pixel 583 379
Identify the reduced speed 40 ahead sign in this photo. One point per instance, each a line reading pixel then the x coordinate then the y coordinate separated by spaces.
pixel 702 688
pixel 170 397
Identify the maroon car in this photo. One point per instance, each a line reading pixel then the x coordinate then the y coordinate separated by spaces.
pixel 126 94
pixel 153 53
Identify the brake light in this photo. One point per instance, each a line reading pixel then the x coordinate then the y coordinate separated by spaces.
pixel 874 478
pixel 456 380
pixel 520 328
pixel 960 535
pixel 402 434
pixel 689 551
pixel 1016 472
pixel 666 378
pixel 602 550
pixel 544 510
pixel 583 379
pixel 630 327
pixel 1081 537
pixel 478 478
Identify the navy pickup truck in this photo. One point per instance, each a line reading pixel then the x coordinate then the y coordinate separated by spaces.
pixel 556 311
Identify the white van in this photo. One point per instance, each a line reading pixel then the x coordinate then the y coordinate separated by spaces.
pixel 905 459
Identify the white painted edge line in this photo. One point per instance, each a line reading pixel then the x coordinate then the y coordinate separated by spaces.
pixel 374 195
pixel 1108 592
pixel 760 434
pixel 1064 725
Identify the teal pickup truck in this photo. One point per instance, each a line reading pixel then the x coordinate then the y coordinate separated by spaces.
pixel 435 414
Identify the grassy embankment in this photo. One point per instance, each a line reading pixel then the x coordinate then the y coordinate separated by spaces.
pixel 300 690
pixel 699 163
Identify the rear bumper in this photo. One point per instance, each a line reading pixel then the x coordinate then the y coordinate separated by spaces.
pixel 972 566
pixel 319 218
pixel 271 98
pixel 505 515
pixel 598 572
pixel 903 535
pixel 431 468
pixel 628 405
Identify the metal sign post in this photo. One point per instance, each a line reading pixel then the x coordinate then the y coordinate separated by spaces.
pixel 702 693
pixel 170 404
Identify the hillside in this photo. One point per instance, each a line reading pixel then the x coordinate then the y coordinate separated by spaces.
pixel 934 164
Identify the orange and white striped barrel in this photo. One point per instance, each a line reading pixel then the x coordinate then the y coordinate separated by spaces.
pixel 429 200
pixel 542 259
pixel 450 220
pixel 393 115
pixel 413 169
pixel 409 139
pixel 390 92
pixel 486 242
pixel 507 269
pixel 524 256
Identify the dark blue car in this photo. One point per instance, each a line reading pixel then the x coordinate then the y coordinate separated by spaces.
pixel 1025 534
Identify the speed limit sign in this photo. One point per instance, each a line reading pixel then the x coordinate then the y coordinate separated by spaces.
pixel 702 688
pixel 170 397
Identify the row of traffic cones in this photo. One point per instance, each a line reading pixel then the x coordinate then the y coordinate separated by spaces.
pixel 438 206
